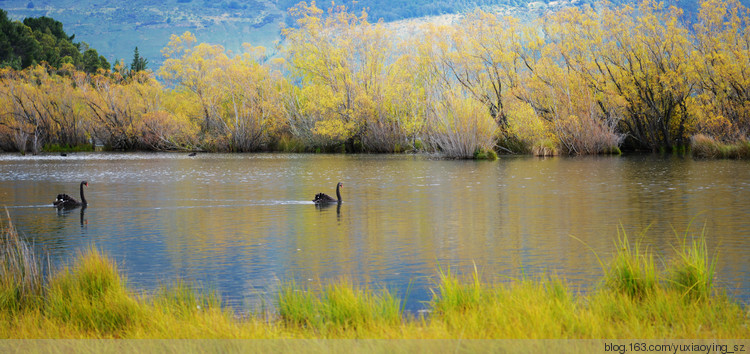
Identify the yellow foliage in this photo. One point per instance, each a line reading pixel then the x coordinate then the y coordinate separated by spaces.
pixel 579 78
pixel 237 98
pixel 723 51
pixel 340 59
pixel 525 124
pixel 178 45
pixel 459 126
pixel 334 128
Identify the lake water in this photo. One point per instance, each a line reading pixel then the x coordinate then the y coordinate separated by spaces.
pixel 244 224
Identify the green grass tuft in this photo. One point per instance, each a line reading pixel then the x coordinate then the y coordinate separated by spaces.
pixel 337 306
pixel 485 155
pixel 91 295
pixel 349 306
pixel 632 271
pixel 692 273
pixel 457 295
pixel 612 150
pixel 297 306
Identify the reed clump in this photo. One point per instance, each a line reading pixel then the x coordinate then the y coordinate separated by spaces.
pixel 632 270
pixel 705 146
pixel 336 307
pixel 692 273
pixel 459 127
pixel 21 271
pixel 544 148
pixel 289 143
pixel 92 295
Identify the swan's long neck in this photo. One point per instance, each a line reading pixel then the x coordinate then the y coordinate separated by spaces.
pixel 83 199
pixel 338 193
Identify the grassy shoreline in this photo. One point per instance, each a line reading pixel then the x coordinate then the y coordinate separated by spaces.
pixel 701 147
pixel 90 299
pixel 704 146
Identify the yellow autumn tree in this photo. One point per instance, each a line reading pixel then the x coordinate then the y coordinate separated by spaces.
pixel 17 120
pixel 479 57
pixel 118 108
pixel 38 108
pixel 481 54
pixel 251 102
pixel 585 106
pixel 341 63
pixel 238 96
pixel 404 103
pixel 722 103
pixel 646 55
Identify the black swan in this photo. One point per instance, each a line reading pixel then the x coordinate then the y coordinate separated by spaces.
pixel 65 201
pixel 322 198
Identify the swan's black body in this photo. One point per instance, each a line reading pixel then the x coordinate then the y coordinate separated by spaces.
pixel 65 201
pixel 322 198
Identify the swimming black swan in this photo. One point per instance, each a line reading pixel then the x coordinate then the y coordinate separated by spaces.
pixel 65 201
pixel 322 198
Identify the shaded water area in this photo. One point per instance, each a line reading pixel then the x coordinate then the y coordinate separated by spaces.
pixel 244 224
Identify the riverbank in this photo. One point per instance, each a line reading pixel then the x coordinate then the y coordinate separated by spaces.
pixel 708 147
pixel 429 89
pixel 701 146
pixel 635 299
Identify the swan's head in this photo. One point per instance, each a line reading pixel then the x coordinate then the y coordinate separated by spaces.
pixel 340 185
pixel 85 183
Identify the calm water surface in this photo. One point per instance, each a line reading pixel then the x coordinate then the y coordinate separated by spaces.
pixel 244 224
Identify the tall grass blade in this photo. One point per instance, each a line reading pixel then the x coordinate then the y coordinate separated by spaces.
pixel 21 271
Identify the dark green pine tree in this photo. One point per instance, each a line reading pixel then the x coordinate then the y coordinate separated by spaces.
pixel 139 63
pixel 91 61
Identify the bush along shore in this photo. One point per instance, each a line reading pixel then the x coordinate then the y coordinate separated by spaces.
pixel 579 80
pixel 90 299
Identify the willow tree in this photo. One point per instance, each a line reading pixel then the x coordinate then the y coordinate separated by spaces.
pixel 192 67
pixel 647 56
pixel 461 92
pixel 237 96
pixel 28 106
pixel 586 104
pixel 118 108
pixel 342 61
pixel 482 54
pixel 723 66
pixel 251 103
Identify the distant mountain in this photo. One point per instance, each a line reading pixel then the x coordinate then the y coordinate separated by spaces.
pixel 115 28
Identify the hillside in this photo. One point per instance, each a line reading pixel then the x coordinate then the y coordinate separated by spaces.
pixel 116 27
